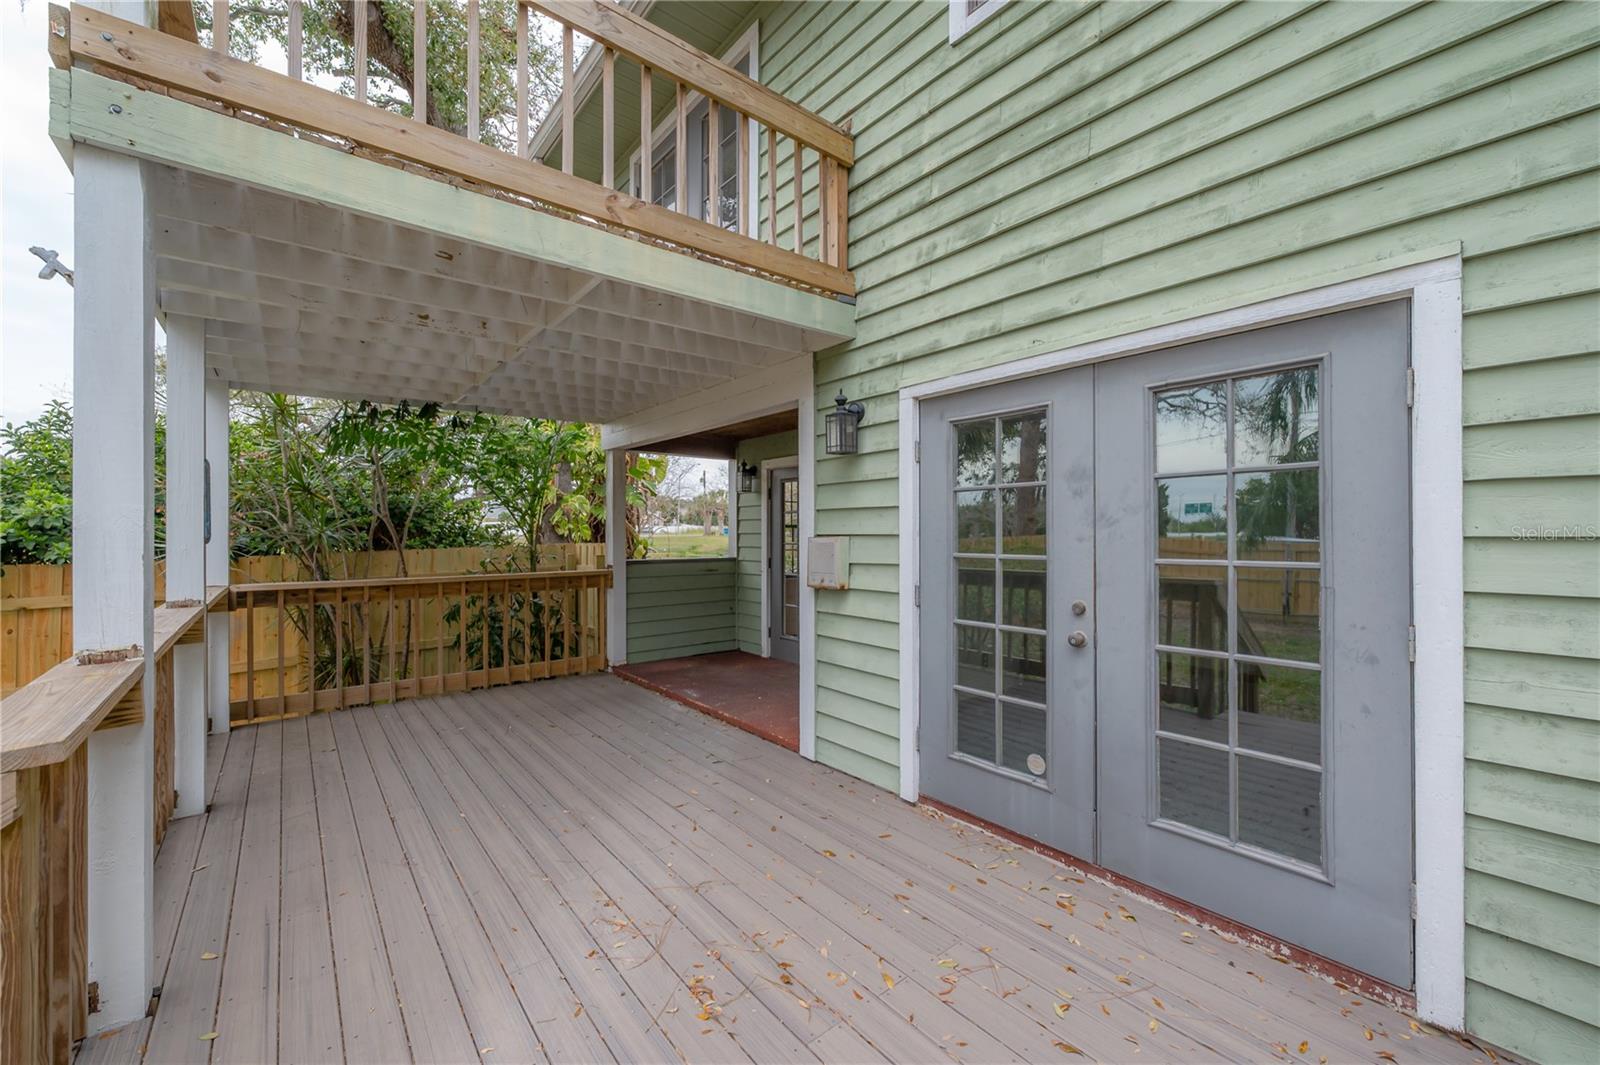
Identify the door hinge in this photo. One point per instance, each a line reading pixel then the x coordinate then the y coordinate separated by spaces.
pixel 916 595
pixel 1411 643
pixel 1411 387
pixel 94 996
pixel 1413 900
pixel 916 451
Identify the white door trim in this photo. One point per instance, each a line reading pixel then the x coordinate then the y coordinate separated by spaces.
pixel 784 462
pixel 1434 288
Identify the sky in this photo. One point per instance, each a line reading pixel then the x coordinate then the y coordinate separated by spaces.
pixel 35 208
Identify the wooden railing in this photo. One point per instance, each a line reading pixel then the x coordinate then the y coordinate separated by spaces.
pixel 385 639
pixel 44 994
pixel 168 59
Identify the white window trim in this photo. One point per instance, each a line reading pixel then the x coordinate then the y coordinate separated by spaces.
pixel 1432 283
pixel 962 22
pixel 749 44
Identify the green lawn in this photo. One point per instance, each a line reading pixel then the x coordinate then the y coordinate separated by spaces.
pixel 687 545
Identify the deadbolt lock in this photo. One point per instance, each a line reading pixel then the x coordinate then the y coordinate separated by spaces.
pixel 1079 607
pixel 1077 639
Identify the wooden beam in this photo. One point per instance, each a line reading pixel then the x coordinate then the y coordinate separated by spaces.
pixel 568 102
pixel 154 56
pixel 419 52
pixel 608 119
pixel 646 43
pixel 523 145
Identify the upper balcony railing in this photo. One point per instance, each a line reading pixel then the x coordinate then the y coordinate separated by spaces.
pixel 171 56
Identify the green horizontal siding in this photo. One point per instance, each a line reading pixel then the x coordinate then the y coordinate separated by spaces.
pixel 1074 171
pixel 755 451
pixel 680 607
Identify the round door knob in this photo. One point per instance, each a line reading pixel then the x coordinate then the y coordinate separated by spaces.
pixel 1077 639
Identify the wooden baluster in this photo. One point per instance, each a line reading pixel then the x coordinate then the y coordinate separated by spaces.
pixel 772 186
pixel 438 652
pixel 360 71
pixel 484 608
pixel 461 657
pixel 608 119
pixel 839 225
pixel 600 620
pixel 366 643
pixel 388 641
pixel 567 607
pixel 524 145
pixel 742 193
pixel 824 198
pixel 646 128
pixel 505 628
pixel 713 164
pixel 799 199
pixel 567 99
pixel 472 70
pixel 249 656
pixel 419 61
pixel 338 647
pixel 311 646
pixel 544 603
pixel 682 153
pixel 219 25
pixel 282 677
pixel 296 42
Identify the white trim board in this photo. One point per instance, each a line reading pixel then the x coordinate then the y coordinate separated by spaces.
pixel 1434 289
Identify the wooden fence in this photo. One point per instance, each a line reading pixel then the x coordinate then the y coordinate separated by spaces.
pixel 36 603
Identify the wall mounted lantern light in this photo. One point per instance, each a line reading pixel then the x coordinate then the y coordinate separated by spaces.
pixel 841 425
pixel 749 478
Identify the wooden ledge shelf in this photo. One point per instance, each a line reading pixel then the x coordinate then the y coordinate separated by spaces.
pixel 50 717
pixel 178 624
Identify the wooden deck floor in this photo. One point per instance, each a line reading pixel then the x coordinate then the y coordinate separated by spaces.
pixel 582 870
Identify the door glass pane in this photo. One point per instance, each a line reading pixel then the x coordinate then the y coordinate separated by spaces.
pixel 1240 579
pixel 999 510
pixel 975 731
pixel 975 522
pixel 1194 695
pixel 1022 448
pixel 1023 666
pixel 975 589
pixel 1275 418
pixel 975 657
pixel 1280 710
pixel 1192 516
pixel 1022 738
pixel 1192 607
pixel 1024 594
pixel 1192 428
pixel 975 453
pixel 1022 520
pixel 1276 516
pixel 1280 808
pixel 1193 781
pixel 1279 612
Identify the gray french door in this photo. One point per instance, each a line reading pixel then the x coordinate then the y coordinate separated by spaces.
pixel 1229 719
pixel 783 563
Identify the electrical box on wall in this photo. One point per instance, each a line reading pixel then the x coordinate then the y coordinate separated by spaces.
pixel 828 562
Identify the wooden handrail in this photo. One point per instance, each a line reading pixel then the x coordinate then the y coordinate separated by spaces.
pixel 51 716
pixel 649 45
pixel 113 45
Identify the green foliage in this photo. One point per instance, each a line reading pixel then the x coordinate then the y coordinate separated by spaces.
pixel 328 56
pixel 36 488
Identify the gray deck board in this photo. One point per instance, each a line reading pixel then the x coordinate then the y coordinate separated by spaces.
pixel 554 871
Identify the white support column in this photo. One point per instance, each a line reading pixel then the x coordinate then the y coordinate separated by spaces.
pixel 113 547
pixel 807 425
pixel 617 555
pixel 219 545
pixel 186 562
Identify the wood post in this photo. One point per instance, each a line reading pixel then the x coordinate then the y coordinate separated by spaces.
pixel 186 560
pixel 217 546
pixel 616 649
pixel 113 546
